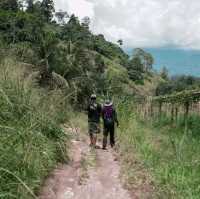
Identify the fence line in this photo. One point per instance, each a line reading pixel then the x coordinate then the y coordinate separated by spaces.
pixel 175 105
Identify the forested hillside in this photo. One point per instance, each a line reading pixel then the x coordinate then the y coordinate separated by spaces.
pixel 50 63
pixel 35 34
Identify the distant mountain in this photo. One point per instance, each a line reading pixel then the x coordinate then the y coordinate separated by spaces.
pixel 177 61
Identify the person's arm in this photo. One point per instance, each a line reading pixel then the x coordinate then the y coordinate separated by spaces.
pixel 102 112
pixel 115 117
pixel 88 110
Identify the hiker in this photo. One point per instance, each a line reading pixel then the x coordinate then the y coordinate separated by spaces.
pixel 109 115
pixel 94 114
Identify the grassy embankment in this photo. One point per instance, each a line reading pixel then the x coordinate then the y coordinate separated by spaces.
pixel 169 153
pixel 31 139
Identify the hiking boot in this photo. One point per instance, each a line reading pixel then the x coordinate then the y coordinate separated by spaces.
pixel 112 145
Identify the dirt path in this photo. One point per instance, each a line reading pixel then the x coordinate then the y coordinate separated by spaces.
pixel 82 180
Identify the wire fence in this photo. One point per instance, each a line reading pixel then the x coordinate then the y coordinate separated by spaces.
pixel 181 104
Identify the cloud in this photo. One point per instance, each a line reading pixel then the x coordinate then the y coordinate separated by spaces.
pixel 142 23
pixel 81 8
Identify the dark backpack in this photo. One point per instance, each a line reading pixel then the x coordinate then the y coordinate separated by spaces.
pixel 108 116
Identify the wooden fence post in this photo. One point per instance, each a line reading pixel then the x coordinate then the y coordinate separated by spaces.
pixel 172 113
pixel 176 113
pixel 151 110
pixel 160 109
pixel 187 106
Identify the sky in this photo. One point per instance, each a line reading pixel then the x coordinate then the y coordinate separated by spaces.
pixel 171 24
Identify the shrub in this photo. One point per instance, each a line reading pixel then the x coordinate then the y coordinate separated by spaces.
pixel 31 139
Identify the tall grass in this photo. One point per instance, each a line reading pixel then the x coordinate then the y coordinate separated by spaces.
pixel 169 153
pixel 31 139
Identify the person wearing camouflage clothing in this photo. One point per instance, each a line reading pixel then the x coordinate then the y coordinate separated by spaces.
pixel 94 114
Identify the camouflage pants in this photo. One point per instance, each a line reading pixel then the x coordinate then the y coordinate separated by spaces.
pixel 93 128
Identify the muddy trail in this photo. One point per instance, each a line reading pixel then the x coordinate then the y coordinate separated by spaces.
pixel 91 174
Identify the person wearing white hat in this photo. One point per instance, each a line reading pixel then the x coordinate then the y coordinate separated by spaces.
pixel 109 115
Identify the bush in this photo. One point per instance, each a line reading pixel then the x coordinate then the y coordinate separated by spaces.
pixel 31 139
pixel 169 153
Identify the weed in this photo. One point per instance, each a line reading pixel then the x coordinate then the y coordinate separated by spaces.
pixel 31 139
pixel 169 153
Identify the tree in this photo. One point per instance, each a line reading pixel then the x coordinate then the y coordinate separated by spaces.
pixel 34 7
pixel 146 58
pixel 164 73
pixel 135 69
pixel 100 65
pixel 61 16
pixel 19 27
pixel 11 5
pixel 86 22
pixel 47 9
pixel 148 61
pixel 30 6
pixel 77 33
pixel 71 31
pixel 46 45
pixel 164 88
pixel 120 42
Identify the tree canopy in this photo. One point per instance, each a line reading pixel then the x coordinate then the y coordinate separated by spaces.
pixel 59 42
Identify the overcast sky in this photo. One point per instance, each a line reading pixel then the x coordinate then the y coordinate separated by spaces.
pixel 142 23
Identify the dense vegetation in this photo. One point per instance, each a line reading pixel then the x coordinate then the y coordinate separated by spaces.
pixel 170 153
pixel 35 33
pixel 166 136
pixel 51 60
pixel 32 141
pixel 177 84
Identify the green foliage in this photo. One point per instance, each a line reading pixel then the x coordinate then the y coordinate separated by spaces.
pixel 115 75
pixel 139 65
pixel 24 52
pixel 30 6
pixel 170 154
pixel 31 140
pixel 145 57
pixel 177 84
pixel 61 61
pixel 76 33
pixel 47 42
pixel 61 16
pixel 34 7
pixel 164 73
pixel 120 42
pixel 180 97
pixel 9 5
pixel 109 49
pixel 135 69
pixel 19 27
pixel 47 9
pixel 86 22
pixel 69 49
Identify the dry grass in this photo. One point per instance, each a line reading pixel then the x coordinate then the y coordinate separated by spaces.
pixel 31 140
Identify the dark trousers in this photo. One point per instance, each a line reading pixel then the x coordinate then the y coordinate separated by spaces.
pixel 109 130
